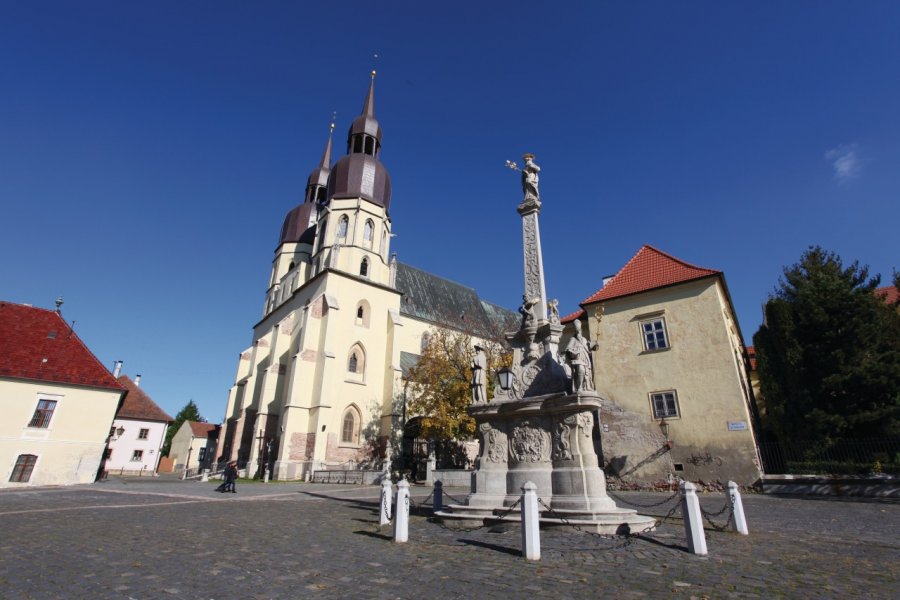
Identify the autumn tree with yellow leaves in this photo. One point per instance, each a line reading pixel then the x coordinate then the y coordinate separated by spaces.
pixel 439 386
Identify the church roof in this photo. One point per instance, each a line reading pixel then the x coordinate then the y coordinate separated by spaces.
pixel 408 360
pixel 37 344
pixel 138 405
pixel 449 304
pixel 647 270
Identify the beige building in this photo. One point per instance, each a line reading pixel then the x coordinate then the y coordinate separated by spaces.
pixel 190 444
pixel 672 367
pixel 57 400
pixel 320 385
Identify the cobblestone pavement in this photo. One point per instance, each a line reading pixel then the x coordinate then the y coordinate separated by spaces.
pixel 148 538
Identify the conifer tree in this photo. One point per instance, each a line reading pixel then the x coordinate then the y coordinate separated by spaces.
pixel 828 355
pixel 189 412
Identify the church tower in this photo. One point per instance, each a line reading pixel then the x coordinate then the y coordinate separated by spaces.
pixel 316 386
pixel 354 226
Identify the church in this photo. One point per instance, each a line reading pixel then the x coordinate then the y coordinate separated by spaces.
pixel 319 386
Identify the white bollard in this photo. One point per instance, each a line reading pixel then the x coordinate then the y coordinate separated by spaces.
pixel 531 532
pixel 693 520
pixel 438 503
pixel 204 477
pixel 739 520
pixel 386 496
pixel 401 516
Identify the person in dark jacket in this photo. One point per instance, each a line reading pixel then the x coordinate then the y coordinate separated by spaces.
pixel 230 478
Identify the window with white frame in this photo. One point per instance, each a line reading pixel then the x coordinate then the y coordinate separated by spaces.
pixel 143 434
pixel 43 412
pixel 654 333
pixel 137 456
pixel 665 404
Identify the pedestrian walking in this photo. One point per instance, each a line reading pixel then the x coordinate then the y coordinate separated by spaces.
pixel 230 478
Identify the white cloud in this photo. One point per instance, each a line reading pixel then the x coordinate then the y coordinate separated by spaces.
pixel 846 162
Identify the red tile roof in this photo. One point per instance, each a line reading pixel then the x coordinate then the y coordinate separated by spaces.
pixel 138 405
pixel 889 293
pixel 201 429
pixel 751 355
pixel 572 316
pixel 649 269
pixel 37 344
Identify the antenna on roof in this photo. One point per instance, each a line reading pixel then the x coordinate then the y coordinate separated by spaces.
pixel 59 303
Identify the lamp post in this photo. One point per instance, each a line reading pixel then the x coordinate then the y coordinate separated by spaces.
pixel 187 463
pixel 664 428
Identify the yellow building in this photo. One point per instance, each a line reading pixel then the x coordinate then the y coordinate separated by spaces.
pixel 320 385
pixel 57 400
pixel 671 365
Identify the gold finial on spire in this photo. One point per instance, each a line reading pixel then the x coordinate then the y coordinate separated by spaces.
pixel 373 73
pixel 333 119
pixel 374 62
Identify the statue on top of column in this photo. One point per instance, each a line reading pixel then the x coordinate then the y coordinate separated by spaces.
pixel 530 180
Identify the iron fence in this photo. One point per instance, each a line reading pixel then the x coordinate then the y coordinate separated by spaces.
pixel 868 456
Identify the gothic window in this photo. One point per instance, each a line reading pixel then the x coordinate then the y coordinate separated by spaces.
pixel 342 227
pixel 368 232
pixel 356 363
pixel 362 313
pixel 350 426
pixel 22 471
pixel 384 242
pixel 364 267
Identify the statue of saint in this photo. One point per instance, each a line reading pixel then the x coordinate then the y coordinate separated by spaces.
pixel 530 180
pixel 527 311
pixel 479 366
pixel 553 309
pixel 578 355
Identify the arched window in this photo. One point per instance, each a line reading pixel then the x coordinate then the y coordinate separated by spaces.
pixel 426 339
pixel 342 227
pixel 356 363
pixel 368 231
pixel 364 267
pixel 362 313
pixel 350 426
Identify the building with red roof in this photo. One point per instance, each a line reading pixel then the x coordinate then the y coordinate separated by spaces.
pixel 138 432
pixel 671 364
pixel 58 400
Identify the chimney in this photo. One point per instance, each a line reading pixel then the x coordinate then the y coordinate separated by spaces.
pixel 137 380
pixel 117 369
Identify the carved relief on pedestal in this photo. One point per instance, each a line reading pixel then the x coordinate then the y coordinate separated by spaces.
pixel 529 442
pixel 493 443
pixel 532 264
pixel 561 445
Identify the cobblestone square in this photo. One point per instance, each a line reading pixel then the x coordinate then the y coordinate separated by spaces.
pixel 156 538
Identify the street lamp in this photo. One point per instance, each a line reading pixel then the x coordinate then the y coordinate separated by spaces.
pixel 664 428
pixel 505 378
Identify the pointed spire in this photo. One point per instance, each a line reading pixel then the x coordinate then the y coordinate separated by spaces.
pixel 369 105
pixel 325 163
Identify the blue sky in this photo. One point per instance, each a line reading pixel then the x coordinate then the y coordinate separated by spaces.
pixel 151 150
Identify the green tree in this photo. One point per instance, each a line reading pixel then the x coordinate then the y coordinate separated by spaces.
pixel 190 412
pixel 438 387
pixel 828 354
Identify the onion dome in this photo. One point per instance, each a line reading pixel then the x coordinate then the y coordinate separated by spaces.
pixel 296 223
pixel 360 174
